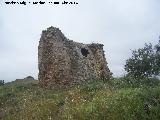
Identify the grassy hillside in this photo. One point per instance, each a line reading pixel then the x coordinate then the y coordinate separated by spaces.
pixel 25 100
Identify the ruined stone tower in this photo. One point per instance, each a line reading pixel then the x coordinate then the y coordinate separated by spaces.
pixel 63 62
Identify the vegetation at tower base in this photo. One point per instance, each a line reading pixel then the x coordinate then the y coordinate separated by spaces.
pixel 95 100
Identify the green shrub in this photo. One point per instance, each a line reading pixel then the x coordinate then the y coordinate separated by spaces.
pixel 144 62
pixel 127 82
pixel 1 82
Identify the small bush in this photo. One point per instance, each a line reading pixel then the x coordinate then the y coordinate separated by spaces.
pixel 1 82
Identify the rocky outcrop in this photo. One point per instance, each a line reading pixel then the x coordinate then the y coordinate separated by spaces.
pixel 26 78
pixel 63 62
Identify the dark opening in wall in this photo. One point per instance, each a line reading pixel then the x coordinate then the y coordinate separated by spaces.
pixel 84 52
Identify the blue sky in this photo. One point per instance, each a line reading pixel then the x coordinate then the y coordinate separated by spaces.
pixel 121 25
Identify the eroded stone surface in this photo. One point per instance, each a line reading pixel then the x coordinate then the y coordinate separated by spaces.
pixel 63 62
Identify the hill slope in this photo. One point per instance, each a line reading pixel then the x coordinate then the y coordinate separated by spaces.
pixel 25 100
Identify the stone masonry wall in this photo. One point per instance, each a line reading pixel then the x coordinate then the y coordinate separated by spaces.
pixel 63 62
